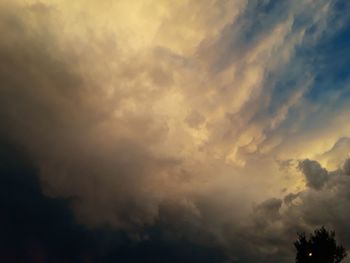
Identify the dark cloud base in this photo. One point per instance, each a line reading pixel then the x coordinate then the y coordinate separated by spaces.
pixel 36 228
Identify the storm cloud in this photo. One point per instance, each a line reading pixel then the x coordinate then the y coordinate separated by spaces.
pixel 155 128
pixel 274 222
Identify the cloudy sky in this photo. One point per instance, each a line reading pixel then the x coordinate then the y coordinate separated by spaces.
pixel 172 131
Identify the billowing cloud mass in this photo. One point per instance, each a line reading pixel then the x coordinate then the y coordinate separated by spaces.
pixel 219 123
pixel 274 222
pixel 315 175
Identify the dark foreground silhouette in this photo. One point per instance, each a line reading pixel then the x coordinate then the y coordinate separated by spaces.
pixel 321 247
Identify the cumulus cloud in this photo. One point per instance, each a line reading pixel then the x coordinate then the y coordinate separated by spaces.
pixel 174 114
pixel 90 129
pixel 275 222
pixel 315 175
pixel 332 158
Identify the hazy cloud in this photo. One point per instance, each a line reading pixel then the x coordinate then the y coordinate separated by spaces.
pixel 168 117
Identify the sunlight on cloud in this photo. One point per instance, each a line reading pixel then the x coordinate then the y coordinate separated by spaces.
pixel 133 104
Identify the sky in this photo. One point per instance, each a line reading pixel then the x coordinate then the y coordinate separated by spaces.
pixel 172 131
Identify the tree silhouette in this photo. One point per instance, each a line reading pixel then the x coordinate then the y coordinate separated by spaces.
pixel 321 247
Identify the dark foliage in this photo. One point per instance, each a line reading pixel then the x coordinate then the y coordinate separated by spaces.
pixel 321 247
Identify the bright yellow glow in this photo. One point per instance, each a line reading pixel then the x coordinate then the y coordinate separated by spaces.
pixel 168 77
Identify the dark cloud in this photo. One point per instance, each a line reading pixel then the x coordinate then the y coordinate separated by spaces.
pixel 94 181
pixel 36 228
pixel 80 164
pixel 315 175
pixel 68 128
pixel 346 167
pixel 274 223
pixel 269 209
pixel 71 172
pixel 289 198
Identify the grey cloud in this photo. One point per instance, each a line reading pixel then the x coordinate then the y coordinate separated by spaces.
pixel 326 206
pixel 289 198
pixel 269 208
pixel 92 147
pixel 67 125
pixel 346 167
pixel 315 175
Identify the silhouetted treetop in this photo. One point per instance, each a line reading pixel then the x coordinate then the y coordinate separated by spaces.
pixel 321 247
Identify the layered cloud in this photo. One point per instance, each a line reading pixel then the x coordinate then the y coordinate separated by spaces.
pixel 140 112
pixel 275 221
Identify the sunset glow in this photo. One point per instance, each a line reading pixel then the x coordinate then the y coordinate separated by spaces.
pixel 221 123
